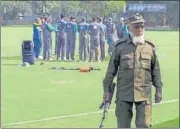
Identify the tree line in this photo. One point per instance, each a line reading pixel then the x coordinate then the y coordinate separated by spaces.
pixel 14 9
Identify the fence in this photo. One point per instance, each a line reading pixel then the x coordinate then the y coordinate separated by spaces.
pixel 172 24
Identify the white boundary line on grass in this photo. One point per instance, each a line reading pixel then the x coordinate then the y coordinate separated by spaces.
pixel 75 115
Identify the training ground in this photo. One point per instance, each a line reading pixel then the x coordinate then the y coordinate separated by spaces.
pixel 37 97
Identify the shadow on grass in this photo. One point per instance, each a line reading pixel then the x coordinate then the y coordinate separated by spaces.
pixel 11 58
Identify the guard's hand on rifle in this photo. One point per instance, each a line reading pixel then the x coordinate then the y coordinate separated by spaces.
pixel 106 96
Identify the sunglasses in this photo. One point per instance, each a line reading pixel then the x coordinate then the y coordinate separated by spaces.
pixel 139 26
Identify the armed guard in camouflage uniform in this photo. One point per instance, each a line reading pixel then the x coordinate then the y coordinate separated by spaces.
pixel 135 62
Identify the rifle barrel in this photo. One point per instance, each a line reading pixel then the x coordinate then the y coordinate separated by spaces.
pixel 107 104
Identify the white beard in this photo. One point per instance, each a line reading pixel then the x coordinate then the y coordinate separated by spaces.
pixel 137 39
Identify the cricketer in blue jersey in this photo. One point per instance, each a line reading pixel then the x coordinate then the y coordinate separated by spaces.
pixel 83 39
pixel 37 37
pixel 47 39
pixel 71 31
pixel 110 30
pixel 102 38
pixel 94 30
pixel 61 38
pixel 56 35
pixel 122 29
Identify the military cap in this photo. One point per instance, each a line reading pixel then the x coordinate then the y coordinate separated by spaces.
pixel 137 18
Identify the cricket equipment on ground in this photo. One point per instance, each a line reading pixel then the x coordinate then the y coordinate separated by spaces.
pixel 80 69
pixel 28 52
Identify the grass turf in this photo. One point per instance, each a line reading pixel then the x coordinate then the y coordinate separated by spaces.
pixel 168 124
pixel 38 93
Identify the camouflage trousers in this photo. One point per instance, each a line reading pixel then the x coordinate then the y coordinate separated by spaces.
pixel 124 114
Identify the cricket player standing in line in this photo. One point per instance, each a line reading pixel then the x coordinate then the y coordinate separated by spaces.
pixel 56 35
pixel 61 38
pixel 37 37
pixel 94 30
pixel 102 38
pixel 41 51
pixel 47 39
pixel 83 39
pixel 122 29
pixel 71 31
pixel 110 30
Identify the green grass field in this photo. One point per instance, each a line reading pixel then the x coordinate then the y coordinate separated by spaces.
pixel 37 97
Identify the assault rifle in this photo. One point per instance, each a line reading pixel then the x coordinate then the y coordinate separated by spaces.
pixel 106 105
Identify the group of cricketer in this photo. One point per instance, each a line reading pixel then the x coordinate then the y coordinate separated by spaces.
pixel 92 37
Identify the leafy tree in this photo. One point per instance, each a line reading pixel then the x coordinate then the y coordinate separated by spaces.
pixel 11 9
pixel 102 8
pixel 114 6
pixel 70 7
pixel 43 8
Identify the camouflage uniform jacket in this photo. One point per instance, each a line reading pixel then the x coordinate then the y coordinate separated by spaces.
pixel 137 69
